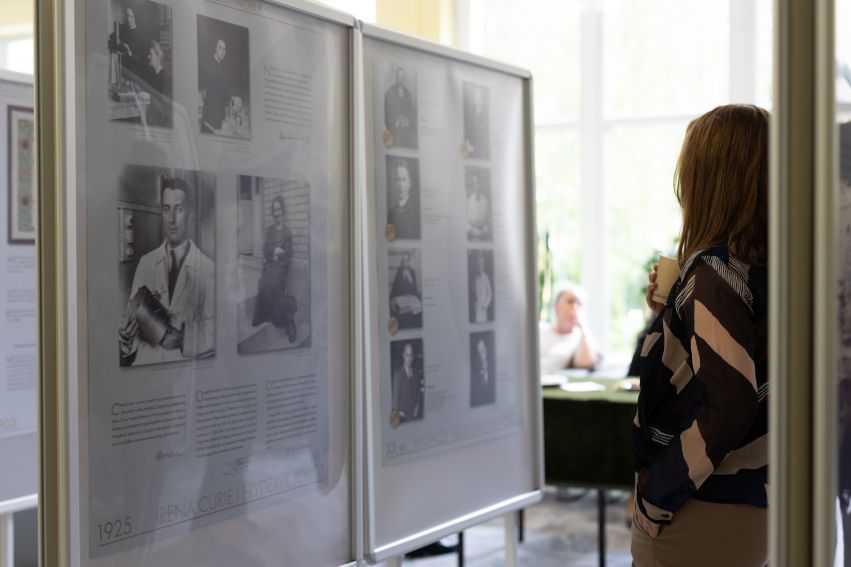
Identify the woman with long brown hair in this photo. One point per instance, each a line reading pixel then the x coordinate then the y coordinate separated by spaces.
pixel 700 436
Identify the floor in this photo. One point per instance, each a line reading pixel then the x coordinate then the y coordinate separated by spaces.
pixel 558 533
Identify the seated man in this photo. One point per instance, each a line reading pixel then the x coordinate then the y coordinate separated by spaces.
pixel 567 343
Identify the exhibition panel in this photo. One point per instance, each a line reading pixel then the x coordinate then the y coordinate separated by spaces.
pixel 294 276
pixel 18 475
pixel 208 306
pixel 451 381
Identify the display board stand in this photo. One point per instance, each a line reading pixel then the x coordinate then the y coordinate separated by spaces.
pixel 451 368
pixel 7 526
pixel 7 541
pixel 197 284
pixel 510 527
pixel 219 324
pixel 510 533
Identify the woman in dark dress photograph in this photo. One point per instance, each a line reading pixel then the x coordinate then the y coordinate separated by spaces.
pixel 274 303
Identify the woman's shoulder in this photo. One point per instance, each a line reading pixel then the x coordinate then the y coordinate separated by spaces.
pixel 716 268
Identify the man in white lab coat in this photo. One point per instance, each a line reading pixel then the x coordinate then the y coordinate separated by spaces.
pixel 171 313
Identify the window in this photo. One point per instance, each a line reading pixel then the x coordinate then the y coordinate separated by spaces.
pixel 616 83
pixel 17 54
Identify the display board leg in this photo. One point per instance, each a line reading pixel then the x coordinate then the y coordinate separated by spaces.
pixel 395 561
pixel 601 526
pixel 7 540
pixel 510 539
pixel 460 549
pixel 521 535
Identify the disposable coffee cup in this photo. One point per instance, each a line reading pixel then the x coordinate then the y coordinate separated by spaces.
pixel 666 275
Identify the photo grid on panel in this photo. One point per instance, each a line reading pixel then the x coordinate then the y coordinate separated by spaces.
pixel 479 230
pixel 403 232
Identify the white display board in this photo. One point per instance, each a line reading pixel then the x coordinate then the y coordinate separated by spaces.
pixel 452 396
pixel 18 442
pixel 209 283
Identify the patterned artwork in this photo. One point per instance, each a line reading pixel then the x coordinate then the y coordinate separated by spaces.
pixel 22 213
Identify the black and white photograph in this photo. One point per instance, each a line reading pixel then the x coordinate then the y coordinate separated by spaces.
pixel 165 264
pixel 480 283
pixel 140 62
pixel 406 298
pixel 403 197
pixel 482 369
pixel 223 79
pixel 477 120
pixel 479 216
pixel 407 382
pixel 273 236
pixel 400 107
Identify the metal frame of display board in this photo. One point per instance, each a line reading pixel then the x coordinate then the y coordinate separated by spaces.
pixel 60 57
pixel 827 349
pixel 25 445
pixel 393 550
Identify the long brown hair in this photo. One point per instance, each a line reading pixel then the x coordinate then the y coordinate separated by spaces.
pixel 721 183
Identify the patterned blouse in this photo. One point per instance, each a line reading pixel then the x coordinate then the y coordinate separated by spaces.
pixel 702 421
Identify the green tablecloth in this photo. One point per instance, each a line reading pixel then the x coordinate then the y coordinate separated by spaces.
pixel 587 435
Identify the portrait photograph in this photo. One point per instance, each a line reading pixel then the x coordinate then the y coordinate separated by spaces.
pixel 223 79
pixel 273 239
pixel 479 215
pixel 480 283
pixel 166 269
pixel 844 163
pixel 406 298
pixel 482 369
pixel 20 140
pixel 407 382
pixel 140 39
pixel 400 106
pixel 403 197
pixel 476 120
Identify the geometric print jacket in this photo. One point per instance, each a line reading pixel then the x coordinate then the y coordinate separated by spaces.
pixel 701 429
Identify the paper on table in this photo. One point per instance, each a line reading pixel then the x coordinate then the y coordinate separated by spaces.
pixel 582 387
pixel 553 380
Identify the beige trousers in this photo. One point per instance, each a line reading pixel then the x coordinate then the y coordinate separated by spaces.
pixel 706 534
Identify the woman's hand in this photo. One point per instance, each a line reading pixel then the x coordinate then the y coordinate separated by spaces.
pixel 654 306
pixel 650 528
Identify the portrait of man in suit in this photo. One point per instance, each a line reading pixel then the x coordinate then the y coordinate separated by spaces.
pixel 171 312
pixel 477 120
pixel 482 370
pixel 408 383
pixel 480 282
pixel 478 204
pixel 403 197
pixel 400 112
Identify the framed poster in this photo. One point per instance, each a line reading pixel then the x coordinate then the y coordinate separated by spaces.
pixel 451 382
pixel 18 387
pixel 209 340
pixel 21 184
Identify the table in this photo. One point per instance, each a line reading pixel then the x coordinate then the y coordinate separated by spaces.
pixel 588 439
pixel 588 435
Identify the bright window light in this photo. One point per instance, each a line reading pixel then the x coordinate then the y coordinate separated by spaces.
pixel 361 9
pixel 17 54
pixel 616 83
